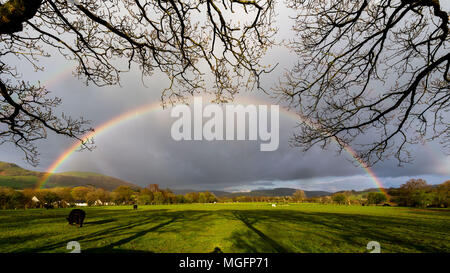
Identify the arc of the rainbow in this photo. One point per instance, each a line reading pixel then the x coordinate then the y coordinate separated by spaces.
pixel 100 129
pixel 347 148
pixel 57 76
pixel 123 117
pixel 350 151
pixel 156 105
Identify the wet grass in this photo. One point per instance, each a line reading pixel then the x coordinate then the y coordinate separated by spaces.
pixel 228 228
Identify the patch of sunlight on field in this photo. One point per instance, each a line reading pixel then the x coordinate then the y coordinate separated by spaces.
pixel 243 227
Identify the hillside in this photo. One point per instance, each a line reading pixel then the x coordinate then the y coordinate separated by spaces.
pixel 12 175
pixel 286 192
pixel 11 169
pixel 268 192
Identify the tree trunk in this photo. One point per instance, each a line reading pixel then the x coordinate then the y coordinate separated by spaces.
pixel 15 12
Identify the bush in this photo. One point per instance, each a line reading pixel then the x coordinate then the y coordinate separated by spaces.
pixel 144 199
pixel 339 198
pixel 376 198
pixel 11 199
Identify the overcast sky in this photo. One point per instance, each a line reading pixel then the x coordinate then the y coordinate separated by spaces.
pixel 142 151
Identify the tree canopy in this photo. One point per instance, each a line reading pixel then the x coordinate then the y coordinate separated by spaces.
pixel 373 74
pixel 106 38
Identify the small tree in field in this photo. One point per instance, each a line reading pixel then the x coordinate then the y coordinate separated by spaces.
pixel 47 196
pixel 11 199
pixel 299 196
pixel 441 197
pixel 325 200
pixel 339 198
pixel 29 194
pixel 414 193
pixel 202 198
pixel 79 193
pixel 64 195
pixel 154 188
pixel 144 199
pixel 376 198
pixel 421 198
pixel 123 195
pixel 158 198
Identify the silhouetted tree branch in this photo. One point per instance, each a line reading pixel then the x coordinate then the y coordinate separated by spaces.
pixel 184 39
pixel 371 73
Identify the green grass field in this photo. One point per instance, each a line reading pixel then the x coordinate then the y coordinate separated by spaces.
pixel 229 228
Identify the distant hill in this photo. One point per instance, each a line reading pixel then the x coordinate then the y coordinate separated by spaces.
pixel 365 191
pixel 73 179
pixel 11 169
pixel 269 192
pixel 16 177
pixel 286 192
pixel 11 175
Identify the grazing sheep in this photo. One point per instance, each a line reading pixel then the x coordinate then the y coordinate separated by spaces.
pixel 76 216
pixel 49 206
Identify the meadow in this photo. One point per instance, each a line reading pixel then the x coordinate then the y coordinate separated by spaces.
pixel 243 227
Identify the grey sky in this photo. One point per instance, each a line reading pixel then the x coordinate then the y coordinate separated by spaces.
pixel 142 151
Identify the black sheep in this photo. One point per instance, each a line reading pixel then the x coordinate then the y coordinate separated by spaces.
pixel 76 216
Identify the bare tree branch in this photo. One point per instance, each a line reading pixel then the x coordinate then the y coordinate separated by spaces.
pixel 189 41
pixel 374 74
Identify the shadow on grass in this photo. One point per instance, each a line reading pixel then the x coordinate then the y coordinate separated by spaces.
pixel 17 239
pixel 262 230
pixel 352 231
pixel 263 238
pixel 110 247
pixel 132 230
pixel 101 222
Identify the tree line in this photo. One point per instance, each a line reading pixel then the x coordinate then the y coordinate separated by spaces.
pixel 91 196
pixel 414 193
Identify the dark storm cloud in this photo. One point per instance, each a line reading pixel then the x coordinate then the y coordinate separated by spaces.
pixel 142 150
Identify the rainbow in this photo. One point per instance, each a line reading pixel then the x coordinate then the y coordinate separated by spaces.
pixel 141 110
pixel 100 129
pixel 347 148
pixel 352 153
pixel 57 76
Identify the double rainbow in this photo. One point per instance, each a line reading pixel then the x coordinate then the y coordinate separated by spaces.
pixel 100 129
pixel 148 108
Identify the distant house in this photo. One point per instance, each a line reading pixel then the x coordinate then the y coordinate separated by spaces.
pixel 80 203
pixel 63 204
pixel 35 199
pixel 98 203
